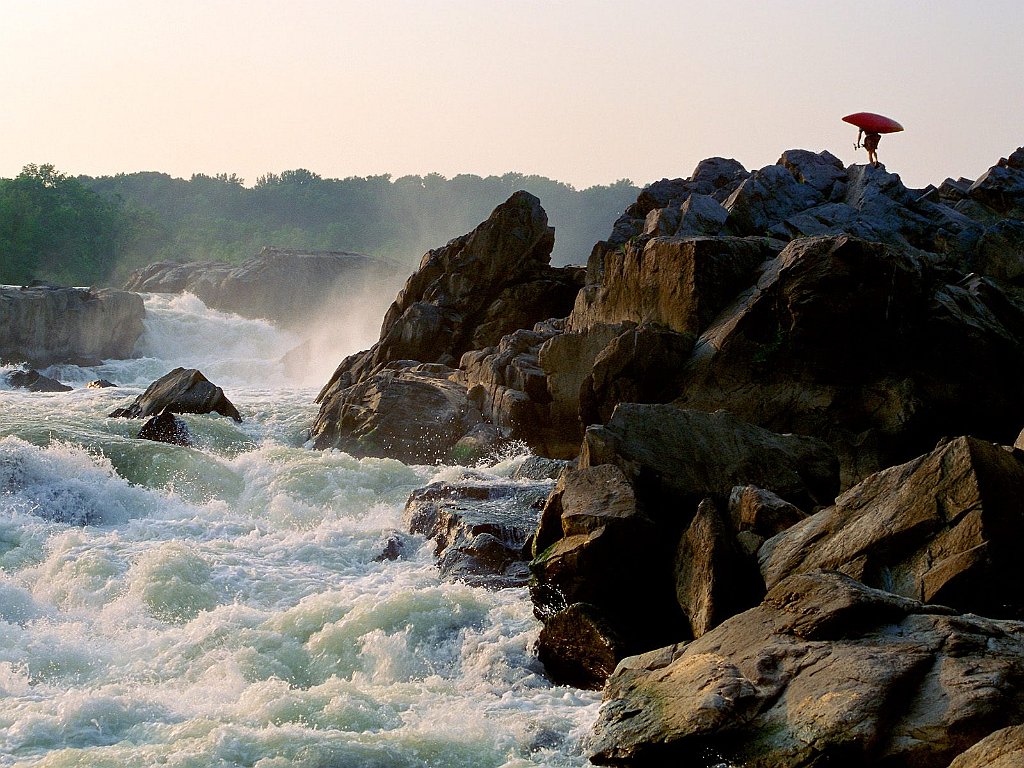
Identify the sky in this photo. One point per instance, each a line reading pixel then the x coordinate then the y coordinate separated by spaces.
pixel 583 91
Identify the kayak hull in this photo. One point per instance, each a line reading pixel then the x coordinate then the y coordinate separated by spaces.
pixel 872 123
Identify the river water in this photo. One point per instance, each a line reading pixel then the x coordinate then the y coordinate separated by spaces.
pixel 222 606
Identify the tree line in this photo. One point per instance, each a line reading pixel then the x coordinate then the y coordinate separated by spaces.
pixel 95 230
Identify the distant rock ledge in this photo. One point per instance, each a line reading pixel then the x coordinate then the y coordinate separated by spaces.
pixel 43 324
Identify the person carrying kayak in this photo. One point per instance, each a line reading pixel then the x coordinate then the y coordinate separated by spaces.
pixel 871 140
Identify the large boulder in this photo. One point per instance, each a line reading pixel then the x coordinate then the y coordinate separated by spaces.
pixel 288 287
pixel 942 528
pixel 1002 749
pixel 410 412
pixel 183 390
pixel 824 672
pixel 44 325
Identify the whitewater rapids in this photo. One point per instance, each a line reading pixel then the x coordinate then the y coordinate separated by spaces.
pixel 223 606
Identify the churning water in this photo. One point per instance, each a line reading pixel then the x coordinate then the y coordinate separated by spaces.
pixel 222 605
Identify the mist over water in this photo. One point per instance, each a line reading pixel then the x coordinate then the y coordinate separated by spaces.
pixel 222 605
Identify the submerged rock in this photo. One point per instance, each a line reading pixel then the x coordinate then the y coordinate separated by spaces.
pixel 480 531
pixel 34 381
pixel 183 390
pixel 100 384
pixel 166 428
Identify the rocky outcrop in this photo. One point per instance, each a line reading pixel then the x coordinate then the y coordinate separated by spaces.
pixel 287 287
pixel 824 672
pixel 45 325
pixel 183 390
pixel 34 381
pixel 632 533
pixel 413 413
pixel 941 529
pixel 465 296
pixel 1002 749
pixel 480 530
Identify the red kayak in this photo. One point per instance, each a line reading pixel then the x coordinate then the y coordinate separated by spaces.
pixel 872 123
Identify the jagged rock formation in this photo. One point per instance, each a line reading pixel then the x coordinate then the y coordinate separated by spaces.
pixel 465 296
pixel 645 498
pixel 824 672
pixel 287 287
pixel 44 325
pixel 166 428
pixel 183 390
pixel 941 529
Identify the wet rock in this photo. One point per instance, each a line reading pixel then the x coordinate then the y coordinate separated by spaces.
pixel 34 381
pixel 941 529
pixel 825 671
pixel 44 325
pixel 392 547
pixel 578 647
pixel 479 530
pixel 166 428
pixel 100 384
pixel 413 413
pixel 183 390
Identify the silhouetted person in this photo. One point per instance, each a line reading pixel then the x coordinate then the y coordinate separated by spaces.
pixel 870 144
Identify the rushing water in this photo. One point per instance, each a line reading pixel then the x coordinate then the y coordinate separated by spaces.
pixel 221 605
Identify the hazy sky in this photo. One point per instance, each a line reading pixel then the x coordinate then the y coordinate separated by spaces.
pixel 581 91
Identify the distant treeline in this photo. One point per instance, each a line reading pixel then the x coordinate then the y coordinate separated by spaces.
pixel 94 231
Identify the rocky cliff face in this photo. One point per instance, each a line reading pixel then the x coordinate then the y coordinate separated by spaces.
pixel 44 325
pixel 288 287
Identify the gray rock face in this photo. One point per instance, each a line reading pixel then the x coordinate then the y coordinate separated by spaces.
pixel 45 325
pixel 479 530
pixel 183 390
pixel 941 529
pixel 824 672
pixel 287 287
pixel 413 413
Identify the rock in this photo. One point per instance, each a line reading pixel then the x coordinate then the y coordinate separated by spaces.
pixel 576 646
pixel 479 530
pixel 34 381
pixel 46 325
pixel 481 441
pixel 821 171
pixel 413 413
pixel 641 365
pixel 1002 749
pixel 392 547
pixel 941 529
pixel 610 533
pixel 100 384
pixel 679 455
pixel 714 580
pixel 825 671
pixel 1000 252
pixel 679 283
pixel 166 428
pixel 470 293
pixel 700 215
pixel 766 199
pixel 289 287
pixel 183 390
pixel 540 468
pixel 762 512
pixel 866 367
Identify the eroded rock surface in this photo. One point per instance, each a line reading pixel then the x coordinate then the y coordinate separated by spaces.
pixel 824 672
pixel 183 390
